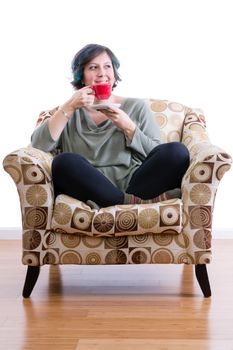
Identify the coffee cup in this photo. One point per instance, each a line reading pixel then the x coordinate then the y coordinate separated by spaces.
pixel 102 91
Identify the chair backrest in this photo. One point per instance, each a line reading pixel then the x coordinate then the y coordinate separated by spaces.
pixel 170 118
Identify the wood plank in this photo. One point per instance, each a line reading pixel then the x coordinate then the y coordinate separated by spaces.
pixel 152 344
pixel 116 307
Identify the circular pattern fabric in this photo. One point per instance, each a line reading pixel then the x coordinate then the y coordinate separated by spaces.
pixel 201 173
pixel 92 242
pixel 210 157
pixel 223 157
pixel 31 239
pixel 49 239
pixel 175 107
pixel 62 213
pixel 36 195
pixel 139 256
pixel 182 240
pixel 14 173
pixel 197 127
pixel 162 256
pixel 176 120
pixel 185 218
pixel 70 257
pixel 202 257
pixel 26 159
pixel 158 106
pixel 221 171
pixel 123 206
pixel 200 194
pixel 35 217
pixel 173 135
pixel 202 239
pixel 82 219
pixel 68 200
pixel 140 239
pixel 169 215
pixel 33 174
pixel 116 242
pixel 126 221
pixel 191 118
pixel 31 259
pixel 93 259
pixel 51 257
pixel 161 119
pixel 116 257
pixel 103 222
pixel 185 258
pixel 200 216
pixel 148 218
pixel 12 158
pixel 163 239
pixel 70 241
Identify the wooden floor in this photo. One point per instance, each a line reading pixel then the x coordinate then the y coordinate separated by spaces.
pixel 138 307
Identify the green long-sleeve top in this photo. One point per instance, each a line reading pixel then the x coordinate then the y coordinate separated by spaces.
pixel 105 146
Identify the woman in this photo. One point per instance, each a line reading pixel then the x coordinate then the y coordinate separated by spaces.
pixel 110 156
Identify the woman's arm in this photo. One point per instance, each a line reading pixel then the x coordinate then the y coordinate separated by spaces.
pixel 46 136
pixel 81 98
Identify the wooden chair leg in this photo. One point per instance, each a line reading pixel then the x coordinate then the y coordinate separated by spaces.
pixel 203 279
pixel 30 280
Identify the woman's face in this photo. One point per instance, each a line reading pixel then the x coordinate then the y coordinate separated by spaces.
pixel 99 70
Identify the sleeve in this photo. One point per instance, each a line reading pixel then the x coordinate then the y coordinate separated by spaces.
pixel 147 133
pixel 41 137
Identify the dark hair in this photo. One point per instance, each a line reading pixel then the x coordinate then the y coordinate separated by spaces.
pixel 85 55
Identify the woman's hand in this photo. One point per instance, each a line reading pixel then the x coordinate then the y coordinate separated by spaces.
pixel 81 98
pixel 121 120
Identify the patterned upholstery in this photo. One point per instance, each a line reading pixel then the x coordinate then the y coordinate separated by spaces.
pixel 67 231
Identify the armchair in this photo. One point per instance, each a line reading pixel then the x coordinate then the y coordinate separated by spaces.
pixel 178 231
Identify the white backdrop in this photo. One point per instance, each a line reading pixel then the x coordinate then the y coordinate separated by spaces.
pixel 179 50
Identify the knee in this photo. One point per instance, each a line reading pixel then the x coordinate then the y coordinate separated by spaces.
pixel 60 161
pixel 65 161
pixel 179 153
pixel 178 148
pixel 175 153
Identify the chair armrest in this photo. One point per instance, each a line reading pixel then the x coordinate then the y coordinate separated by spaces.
pixel 199 185
pixel 194 131
pixel 196 139
pixel 207 167
pixel 30 169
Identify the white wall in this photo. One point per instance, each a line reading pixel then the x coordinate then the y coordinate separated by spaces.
pixel 171 49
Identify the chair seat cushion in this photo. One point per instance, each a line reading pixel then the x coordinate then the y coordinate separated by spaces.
pixel 75 217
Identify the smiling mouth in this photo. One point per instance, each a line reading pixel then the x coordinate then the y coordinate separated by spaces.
pixel 102 82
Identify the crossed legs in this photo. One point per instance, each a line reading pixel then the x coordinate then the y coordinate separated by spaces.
pixel 162 170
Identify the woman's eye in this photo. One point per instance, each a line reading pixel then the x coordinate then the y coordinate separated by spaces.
pixel 107 66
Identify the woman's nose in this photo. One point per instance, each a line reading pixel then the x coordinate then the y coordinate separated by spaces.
pixel 100 72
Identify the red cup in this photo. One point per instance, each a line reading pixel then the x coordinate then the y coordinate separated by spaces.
pixel 102 91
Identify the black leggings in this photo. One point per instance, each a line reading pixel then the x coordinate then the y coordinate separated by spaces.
pixel 162 170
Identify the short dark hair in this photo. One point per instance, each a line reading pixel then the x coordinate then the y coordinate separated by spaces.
pixel 85 55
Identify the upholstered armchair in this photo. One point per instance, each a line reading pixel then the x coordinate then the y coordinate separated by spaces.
pixel 178 231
